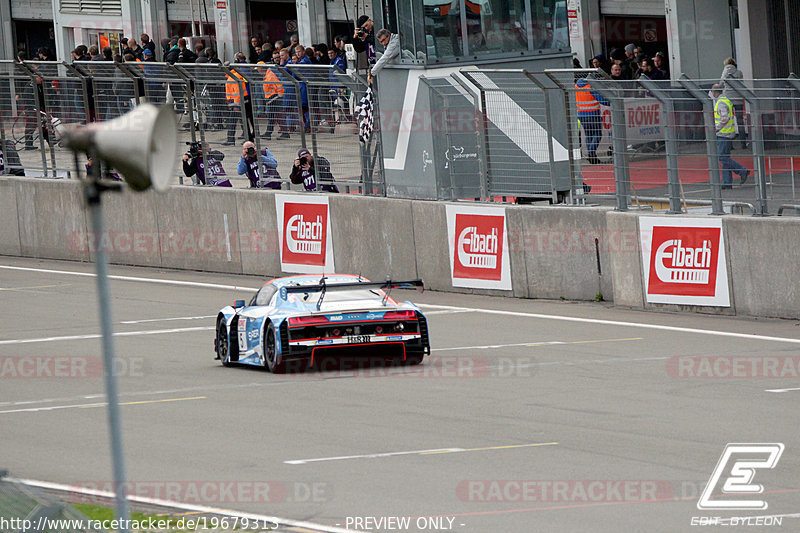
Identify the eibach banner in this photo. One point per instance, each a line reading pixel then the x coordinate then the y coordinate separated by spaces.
pixel 684 261
pixel 478 245
pixel 304 232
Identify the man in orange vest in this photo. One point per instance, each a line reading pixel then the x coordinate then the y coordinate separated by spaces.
pixel 237 93
pixel 273 96
pixel 588 102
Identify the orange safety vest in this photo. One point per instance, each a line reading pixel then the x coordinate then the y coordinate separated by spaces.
pixel 232 88
pixel 584 99
pixel 272 85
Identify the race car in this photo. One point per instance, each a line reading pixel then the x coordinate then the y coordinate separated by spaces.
pixel 299 319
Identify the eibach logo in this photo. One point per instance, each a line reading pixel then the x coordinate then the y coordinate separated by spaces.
pixel 683 261
pixel 479 247
pixel 305 233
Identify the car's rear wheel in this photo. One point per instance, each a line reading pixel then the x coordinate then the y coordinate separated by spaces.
pixel 271 352
pixel 223 347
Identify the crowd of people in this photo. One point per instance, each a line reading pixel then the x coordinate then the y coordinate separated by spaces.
pixel 631 62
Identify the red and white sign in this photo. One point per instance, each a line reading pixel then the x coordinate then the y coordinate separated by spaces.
pixel 304 231
pixel 684 261
pixel 478 244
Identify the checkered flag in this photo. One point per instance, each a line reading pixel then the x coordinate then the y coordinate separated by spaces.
pixel 365 117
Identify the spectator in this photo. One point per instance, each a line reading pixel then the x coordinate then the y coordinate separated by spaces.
pixel 588 102
pixel 10 163
pixel 172 54
pixel 618 58
pixel 294 40
pixel 630 59
pixel 310 56
pixel 94 53
pixel 321 51
pixel 255 46
pixel 278 45
pixel 147 56
pixel 194 164
pixel 147 43
pixel 599 61
pixel 661 64
pixel 364 38
pixel 239 58
pixel 308 172
pixel 339 45
pixel 250 165
pixel 289 95
pixel 725 122
pixel 44 54
pixel 209 55
pixel 135 49
pixel 184 54
pixel 391 45
pixel 651 71
pixel 616 72
pixel 266 53
pixel 129 58
pixel 200 52
pixel 107 54
pixel 84 52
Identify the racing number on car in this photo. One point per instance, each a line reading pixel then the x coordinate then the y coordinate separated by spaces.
pixel 358 338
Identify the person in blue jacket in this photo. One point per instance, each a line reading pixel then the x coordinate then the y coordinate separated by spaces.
pixel 249 165
pixel 588 102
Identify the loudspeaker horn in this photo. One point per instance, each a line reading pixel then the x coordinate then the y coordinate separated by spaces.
pixel 141 144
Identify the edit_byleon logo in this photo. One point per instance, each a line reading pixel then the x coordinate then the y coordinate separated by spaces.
pixel 734 476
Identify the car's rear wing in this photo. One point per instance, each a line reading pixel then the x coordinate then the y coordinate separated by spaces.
pixel 322 287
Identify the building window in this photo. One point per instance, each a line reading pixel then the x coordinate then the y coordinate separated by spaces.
pixel 450 31
pixel 106 7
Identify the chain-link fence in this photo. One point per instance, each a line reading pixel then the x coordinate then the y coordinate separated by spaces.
pixel 24 509
pixel 219 107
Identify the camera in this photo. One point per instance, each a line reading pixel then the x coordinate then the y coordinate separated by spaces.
pixel 251 151
pixel 362 32
pixel 303 161
pixel 194 149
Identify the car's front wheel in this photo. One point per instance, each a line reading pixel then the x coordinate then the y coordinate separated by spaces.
pixel 271 352
pixel 223 346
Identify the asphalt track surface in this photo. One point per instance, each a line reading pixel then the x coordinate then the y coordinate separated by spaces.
pixel 535 416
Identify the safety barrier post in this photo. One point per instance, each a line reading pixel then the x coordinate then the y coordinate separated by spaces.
pixel 711 141
pixel 611 91
pixel 673 179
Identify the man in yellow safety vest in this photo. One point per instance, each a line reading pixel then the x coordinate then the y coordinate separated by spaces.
pixel 725 122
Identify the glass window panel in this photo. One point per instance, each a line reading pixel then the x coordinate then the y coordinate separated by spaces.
pixel 442 32
pixel 550 29
pixel 410 29
pixel 496 26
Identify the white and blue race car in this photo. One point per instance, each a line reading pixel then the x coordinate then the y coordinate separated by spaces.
pixel 303 318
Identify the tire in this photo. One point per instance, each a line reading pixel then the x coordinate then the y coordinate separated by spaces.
pixel 270 357
pixel 223 346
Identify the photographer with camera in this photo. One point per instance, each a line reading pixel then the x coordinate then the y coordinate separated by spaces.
pixel 308 173
pixel 364 38
pixel 250 165
pixel 194 163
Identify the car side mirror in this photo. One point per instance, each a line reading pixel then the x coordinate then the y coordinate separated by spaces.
pixel 238 303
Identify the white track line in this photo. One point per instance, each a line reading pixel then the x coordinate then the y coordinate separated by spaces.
pixel 131 278
pixel 185 506
pixel 782 390
pixel 165 319
pixel 446 307
pixel 99 404
pixel 749 336
pixel 98 335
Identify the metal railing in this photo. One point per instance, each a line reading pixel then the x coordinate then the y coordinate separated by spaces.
pixel 220 106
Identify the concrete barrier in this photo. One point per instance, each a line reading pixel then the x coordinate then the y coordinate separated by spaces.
pixel 9 221
pixel 561 246
pixel 198 228
pixel 626 262
pixel 763 265
pixel 552 249
pixel 49 213
pixel 373 237
pixel 257 240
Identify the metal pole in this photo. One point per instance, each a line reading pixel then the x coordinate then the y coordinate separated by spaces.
pixel 93 190
pixel 757 142
pixel 673 179
pixel 711 142
pixel 612 92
